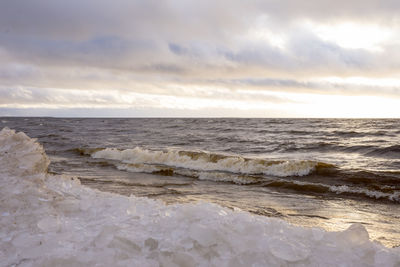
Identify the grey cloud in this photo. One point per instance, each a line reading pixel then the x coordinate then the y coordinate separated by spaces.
pixel 272 83
pixel 162 68
pixel 126 44
pixel 326 10
pixel 258 54
pixel 177 49
pixel 136 112
pixel 175 37
pixel 306 53
pixel 172 18
pixel 106 51
pixel 151 19
pixel 35 96
pixel 12 72
pixel 318 87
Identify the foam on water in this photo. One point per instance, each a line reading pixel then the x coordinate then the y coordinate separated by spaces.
pixel 203 161
pixel 370 193
pixel 49 220
pixel 345 189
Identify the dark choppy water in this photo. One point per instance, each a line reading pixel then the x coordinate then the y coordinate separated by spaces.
pixel 311 172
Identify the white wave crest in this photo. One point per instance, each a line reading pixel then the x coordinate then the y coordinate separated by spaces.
pixel 343 189
pixel 224 177
pixel 59 222
pixel 201 175
pixel 370 193
pixel 206 162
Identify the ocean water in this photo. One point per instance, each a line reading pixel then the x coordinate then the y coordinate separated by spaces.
pixel 326 173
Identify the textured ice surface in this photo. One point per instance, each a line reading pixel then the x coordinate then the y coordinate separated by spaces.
pixel 48 220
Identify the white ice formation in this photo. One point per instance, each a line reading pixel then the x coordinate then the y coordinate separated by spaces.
pixel 48 220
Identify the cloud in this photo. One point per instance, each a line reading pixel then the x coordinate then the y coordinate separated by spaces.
pixel 316 86
pixel 193 49
pixel 191 37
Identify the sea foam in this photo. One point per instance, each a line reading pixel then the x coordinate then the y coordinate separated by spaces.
pixel 49 220
pixel 205 161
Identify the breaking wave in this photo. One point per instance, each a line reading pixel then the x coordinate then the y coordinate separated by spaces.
pixel 148 161
pixel 283 174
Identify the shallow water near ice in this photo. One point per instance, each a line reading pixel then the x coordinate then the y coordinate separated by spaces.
pixel 314 173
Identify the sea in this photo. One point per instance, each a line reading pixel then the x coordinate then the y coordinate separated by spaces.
pixel 326 173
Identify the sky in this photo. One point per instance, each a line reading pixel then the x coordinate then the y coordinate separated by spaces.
pixel 228 58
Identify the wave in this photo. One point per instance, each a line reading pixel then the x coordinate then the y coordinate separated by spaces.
pixel 390 151
pixel 309 187
pixel 205 161
pixel 358 134
pixel 344 189
pixel 209 176
pixel 255 171
pixel 55 221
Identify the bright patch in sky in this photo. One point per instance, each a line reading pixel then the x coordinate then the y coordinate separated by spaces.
pixel 337 106
pixel 354 36
pixel 266 35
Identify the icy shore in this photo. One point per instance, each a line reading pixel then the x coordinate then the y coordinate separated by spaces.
pixel 48 220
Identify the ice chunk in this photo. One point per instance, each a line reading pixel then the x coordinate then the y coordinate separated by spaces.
pixel 151 243
pixel 85 205
pixel 125 244
pixel 383 257
pixel 317 234
pixel 288 249
pixel 183 259
pixel 26 240
pixel 105 237
pixel 49 224
pixel 356 234
pixel 203 235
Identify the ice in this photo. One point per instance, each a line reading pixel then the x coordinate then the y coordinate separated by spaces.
pixel 49 220
pixel 183 259
pixel 203 235
pixel 49 224
pixel 288 250
pixel 104 237
pixel 355 234
pixel 151 243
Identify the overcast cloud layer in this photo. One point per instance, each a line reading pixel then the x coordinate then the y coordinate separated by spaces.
pixel 179 58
